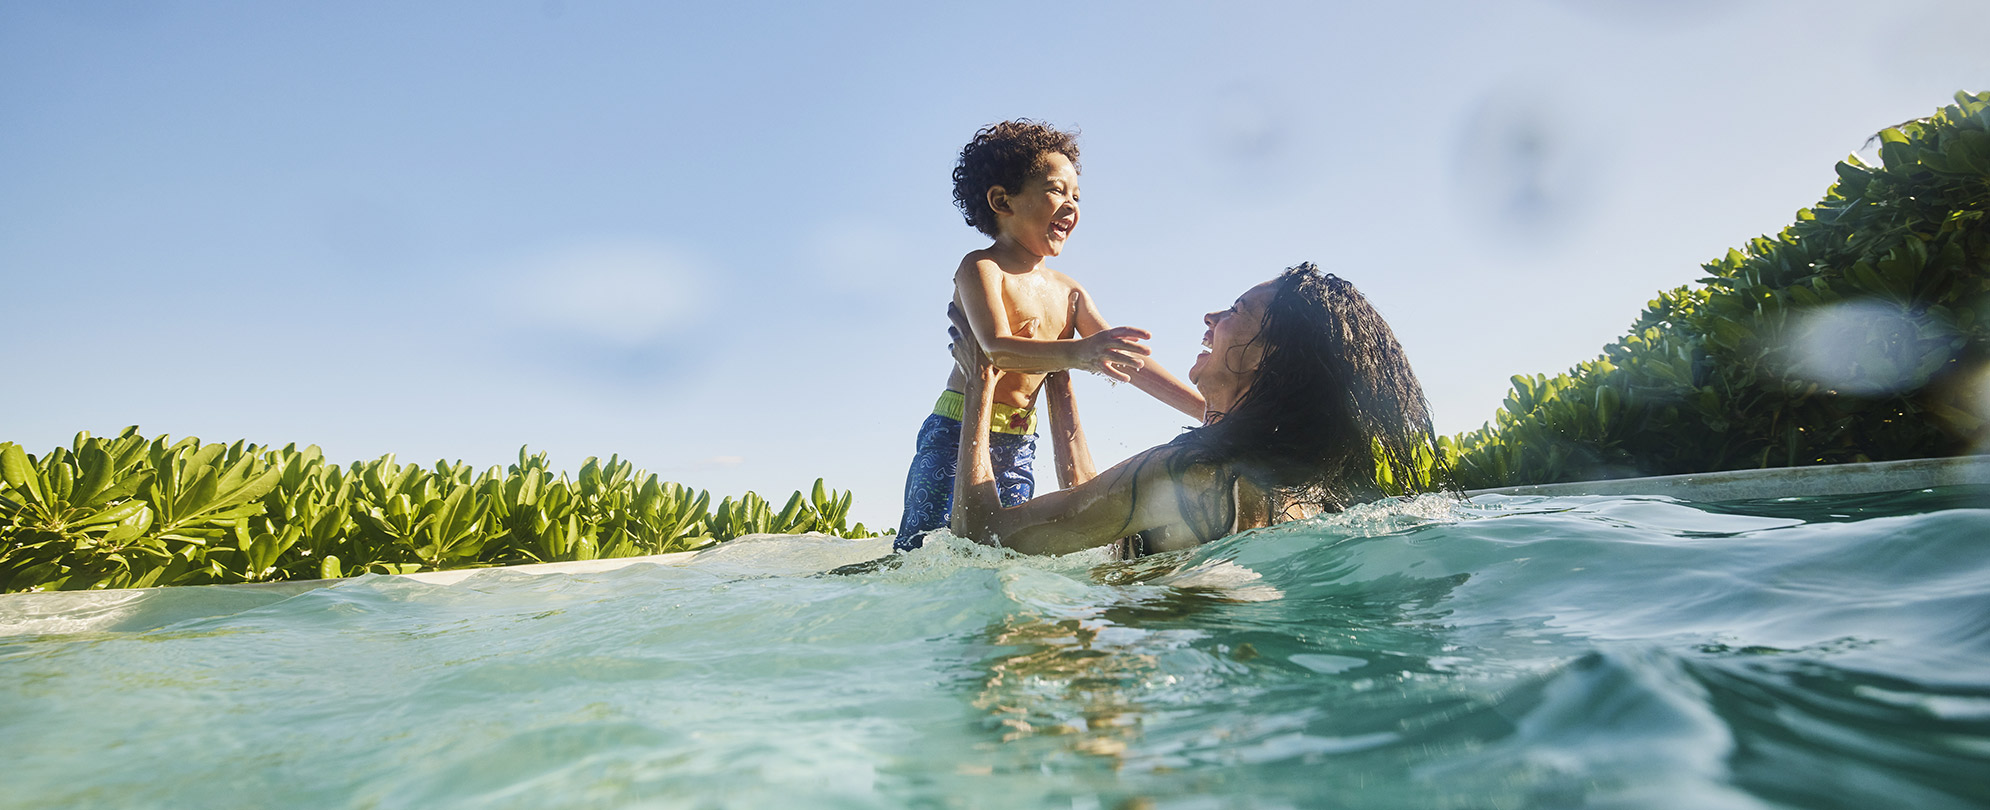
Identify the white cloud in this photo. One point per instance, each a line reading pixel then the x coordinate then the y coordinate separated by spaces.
pixel 622 293
pixel 856 254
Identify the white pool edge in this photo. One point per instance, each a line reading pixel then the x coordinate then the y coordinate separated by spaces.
pixel 1779 482
pixel 107 598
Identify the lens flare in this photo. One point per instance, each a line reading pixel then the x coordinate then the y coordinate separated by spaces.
pixel 1867 347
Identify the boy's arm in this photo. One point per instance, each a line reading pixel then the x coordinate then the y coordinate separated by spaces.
pixel 1112 352
pixel 1149 376
pixel 1067 436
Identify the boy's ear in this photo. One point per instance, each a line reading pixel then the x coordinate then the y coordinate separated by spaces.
pixel 998 200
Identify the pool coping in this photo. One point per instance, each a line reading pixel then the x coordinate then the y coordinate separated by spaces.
pixel 141 609
pixel 1778 482
pixel 101 598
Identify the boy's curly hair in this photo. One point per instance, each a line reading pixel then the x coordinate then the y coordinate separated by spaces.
pixel 1005 155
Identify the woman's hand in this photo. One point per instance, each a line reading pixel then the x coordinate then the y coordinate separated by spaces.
pixel 967 351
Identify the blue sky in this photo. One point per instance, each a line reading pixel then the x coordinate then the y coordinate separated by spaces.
pixel 717 238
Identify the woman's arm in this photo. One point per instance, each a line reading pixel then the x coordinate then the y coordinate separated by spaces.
pixel 1136 495
pixel 1149 376
pixel 1159 384
pixel 1067 436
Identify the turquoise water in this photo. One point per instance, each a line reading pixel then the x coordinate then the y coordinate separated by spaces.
pixel 1515 652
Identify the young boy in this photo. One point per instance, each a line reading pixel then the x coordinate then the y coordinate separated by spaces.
pixel 1017 182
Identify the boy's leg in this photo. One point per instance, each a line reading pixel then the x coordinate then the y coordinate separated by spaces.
pixel 1014 458
pixel 929 484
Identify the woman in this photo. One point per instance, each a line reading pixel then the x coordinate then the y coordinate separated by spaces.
pixel 1311 407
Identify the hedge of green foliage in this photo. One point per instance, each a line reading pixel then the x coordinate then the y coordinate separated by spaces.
pixel 128 512
pixel 1893 265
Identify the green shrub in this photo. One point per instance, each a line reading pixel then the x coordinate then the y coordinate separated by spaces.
pixel 1721 376
pixel 128 512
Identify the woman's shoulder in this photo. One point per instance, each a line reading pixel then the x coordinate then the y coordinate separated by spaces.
pixel 1197 499
pixel 1215 499
pixel 1173 462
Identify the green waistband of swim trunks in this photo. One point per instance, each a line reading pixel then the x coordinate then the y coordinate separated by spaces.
pixel 1003 418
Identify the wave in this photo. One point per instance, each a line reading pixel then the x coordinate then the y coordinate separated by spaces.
pixel 1428 652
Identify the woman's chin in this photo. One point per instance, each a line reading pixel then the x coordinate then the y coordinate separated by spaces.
pixel 1195 368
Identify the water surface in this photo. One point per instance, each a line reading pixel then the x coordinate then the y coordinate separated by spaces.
pixel 1513 652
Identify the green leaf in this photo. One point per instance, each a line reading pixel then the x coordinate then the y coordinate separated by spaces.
pixel 111 514
pixel 97 469
pixel 20 473
pixel 60 481
pixel 130 527
pixel 786 520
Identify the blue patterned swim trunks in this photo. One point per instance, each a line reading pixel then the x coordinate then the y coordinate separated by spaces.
pixel 929 485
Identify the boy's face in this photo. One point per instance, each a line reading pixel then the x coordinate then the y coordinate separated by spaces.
pixel 1044 212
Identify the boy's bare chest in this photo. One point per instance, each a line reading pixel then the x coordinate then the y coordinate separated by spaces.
pixel 1037 307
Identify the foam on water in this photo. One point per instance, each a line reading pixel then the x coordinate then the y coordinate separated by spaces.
pixel 1511 652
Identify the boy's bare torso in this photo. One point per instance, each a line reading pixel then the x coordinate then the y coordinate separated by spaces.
pixel 1039 303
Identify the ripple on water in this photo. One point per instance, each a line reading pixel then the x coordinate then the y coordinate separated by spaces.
pixel 1510 652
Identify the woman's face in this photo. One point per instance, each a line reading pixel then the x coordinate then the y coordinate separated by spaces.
pixel 1233 354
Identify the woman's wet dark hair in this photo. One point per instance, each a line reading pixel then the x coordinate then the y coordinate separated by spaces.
pixel 1332 402
pixel 1005 155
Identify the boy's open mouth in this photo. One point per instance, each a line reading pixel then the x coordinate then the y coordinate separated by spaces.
pixel 1061 229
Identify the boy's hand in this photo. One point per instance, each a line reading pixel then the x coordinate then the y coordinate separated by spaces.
pixel 1115 352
